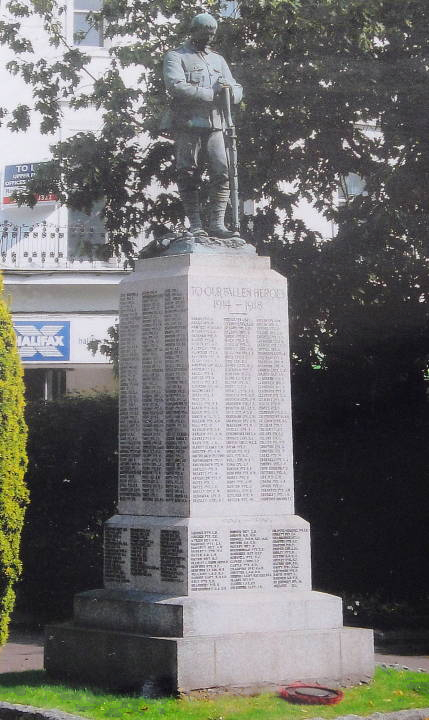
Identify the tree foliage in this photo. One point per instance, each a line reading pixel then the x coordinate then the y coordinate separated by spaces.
pixel 109 347
pixel 13 462
pixel 315 73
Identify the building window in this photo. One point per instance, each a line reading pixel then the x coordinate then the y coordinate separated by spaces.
pixel 350 186
pixel 44 384
pixel 87 234
pixel 85 30
pixel 229 8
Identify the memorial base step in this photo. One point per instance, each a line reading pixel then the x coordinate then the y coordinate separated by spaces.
pixel 209 614
pixel 132 661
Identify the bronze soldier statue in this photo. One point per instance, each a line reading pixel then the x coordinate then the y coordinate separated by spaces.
pixel 196 77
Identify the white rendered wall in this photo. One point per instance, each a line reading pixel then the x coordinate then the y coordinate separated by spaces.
pixel 91 378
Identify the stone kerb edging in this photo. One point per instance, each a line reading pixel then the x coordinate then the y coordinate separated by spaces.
pixel 413 714
pixel 27 712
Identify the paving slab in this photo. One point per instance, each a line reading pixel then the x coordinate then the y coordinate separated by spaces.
pixel 24 651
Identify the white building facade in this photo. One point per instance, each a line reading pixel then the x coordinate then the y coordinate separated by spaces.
pixel 61 284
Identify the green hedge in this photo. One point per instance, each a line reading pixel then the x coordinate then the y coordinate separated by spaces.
pixel 72 476
pixel 13 461
pixel 361 480
pixel 361 475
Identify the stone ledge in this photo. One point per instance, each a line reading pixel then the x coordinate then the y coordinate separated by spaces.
pixel 413 714
pixel 207 613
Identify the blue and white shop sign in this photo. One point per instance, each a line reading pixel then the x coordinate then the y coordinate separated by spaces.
pixel 43 341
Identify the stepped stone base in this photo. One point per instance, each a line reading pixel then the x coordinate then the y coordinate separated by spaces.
pixel 212 614
pixel 124 660
pixel 207 571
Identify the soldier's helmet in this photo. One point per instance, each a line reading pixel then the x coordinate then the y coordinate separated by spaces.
pixel 204 20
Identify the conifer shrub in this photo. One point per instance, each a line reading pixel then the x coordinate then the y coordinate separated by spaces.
pixel 13 463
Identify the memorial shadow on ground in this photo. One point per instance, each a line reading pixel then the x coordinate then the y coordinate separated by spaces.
pixel 39 678
pixel 33 678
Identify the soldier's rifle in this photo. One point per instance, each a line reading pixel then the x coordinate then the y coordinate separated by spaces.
pixel 231 154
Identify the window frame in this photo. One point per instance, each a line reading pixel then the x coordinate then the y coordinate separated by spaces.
pixel 225 10
pixel 84 12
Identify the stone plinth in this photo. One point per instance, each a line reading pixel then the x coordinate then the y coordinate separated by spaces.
pixel 182 556
pixel 205 417
pixel 121 660
pixel 207 570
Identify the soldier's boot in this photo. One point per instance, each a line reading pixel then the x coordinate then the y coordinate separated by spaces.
pixel 191 205
pixel 218 201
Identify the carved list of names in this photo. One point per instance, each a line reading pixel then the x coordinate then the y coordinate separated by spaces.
pixel 240 404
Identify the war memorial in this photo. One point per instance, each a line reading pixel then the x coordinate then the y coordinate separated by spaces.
pixel 207 569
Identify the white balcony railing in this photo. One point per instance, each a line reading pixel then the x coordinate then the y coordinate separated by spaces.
pixel 46 248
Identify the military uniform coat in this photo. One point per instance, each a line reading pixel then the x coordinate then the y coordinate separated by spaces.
pixel 190 77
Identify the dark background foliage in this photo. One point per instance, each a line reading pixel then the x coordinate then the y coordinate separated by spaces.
pixel 361 480
pixel 362 469
pixel 72 478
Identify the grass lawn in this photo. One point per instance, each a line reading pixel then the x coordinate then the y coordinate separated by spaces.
pixel 390 690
